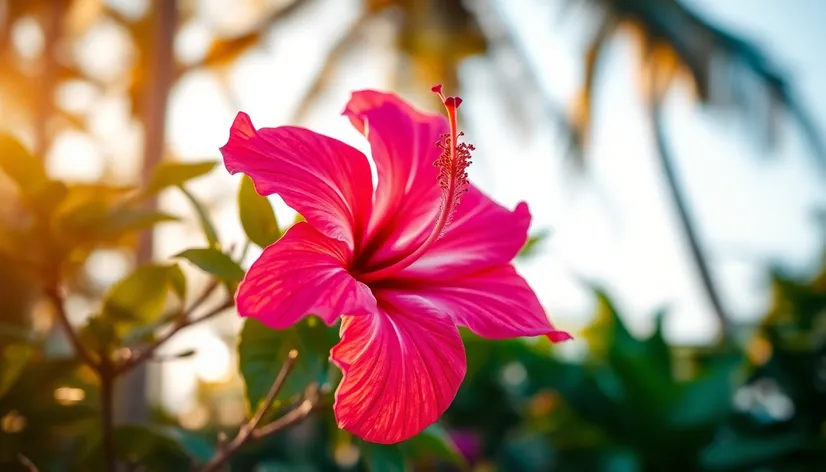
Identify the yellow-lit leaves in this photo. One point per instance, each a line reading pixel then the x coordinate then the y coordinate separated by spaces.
pixel 257 216
pixel 13 359
pixel 214 262
pixel 141 297
pixel 225 51
pixel 203 218
pixel 95 214
pixel 170 174
pixel 23 168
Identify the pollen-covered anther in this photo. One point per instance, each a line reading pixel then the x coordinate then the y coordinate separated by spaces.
pixel 453 180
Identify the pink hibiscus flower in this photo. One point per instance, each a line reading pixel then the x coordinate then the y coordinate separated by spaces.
pixel 402 265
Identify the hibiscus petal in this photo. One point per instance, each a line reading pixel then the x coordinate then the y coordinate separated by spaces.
pixel 402 368
pixel 302 273
pixel 323 179
pixel 495 304
pixel 483 234
pixel 403 146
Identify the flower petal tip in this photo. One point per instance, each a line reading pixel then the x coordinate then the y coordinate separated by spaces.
pixel 558 336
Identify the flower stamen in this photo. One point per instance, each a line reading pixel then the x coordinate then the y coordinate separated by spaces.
pixel 453 180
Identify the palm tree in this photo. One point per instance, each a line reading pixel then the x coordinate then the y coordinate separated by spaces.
pixel 677 44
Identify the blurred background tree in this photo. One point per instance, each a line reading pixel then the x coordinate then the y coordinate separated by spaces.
pixel 102 189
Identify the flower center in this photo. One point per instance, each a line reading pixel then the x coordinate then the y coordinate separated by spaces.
pixel 452 164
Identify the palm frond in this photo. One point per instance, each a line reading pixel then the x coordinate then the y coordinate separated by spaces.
pixel 726 70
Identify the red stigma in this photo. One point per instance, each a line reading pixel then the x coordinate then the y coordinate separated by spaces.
pixel 453 161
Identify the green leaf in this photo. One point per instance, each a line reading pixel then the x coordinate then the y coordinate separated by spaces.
pixel 192 442
pixel 706 400
pixel 46 197
pixel 533 243
pixel 151 448
pixel 383 458
pixel 177 280
pixel 15 357
pixel 262 351
pixel 99 335
pixel 125 220
pixel 171 174
pixel 146 332
pixel 92 215
pixel 183 354
pixel 741 452
pixel 257 216
pixel 203 218
pixel 26 170
pixel 16 332
pixel 434 442
pixel 141 296
pixel 215 262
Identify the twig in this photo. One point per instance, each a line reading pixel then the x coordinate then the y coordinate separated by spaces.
pixel 248 430
pixel 107 417
pixel 29 465
pixel 300 413
pixel 53 294
pixel 183 322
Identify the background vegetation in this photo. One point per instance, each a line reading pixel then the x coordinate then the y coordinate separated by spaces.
pixel 76 388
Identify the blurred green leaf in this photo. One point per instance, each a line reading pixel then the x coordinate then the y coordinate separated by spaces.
pixel 215 262
pixel 171 174
pixel 263 350
pixel 45 197
pixel 99 335
pixel 15 357
pixel 533 244
pixel 434 442
pixel 141 296
pixel 203 218
pixel 128 219
pixel 150 447
pixel 191 441
pixel 736 452
pixel 707 400
pixel 146 332
pixel 15 332
pixel 177 280
pixel 257 216
pixel 25 169
pixel 382 458
pixel 184 354
pixel 98 214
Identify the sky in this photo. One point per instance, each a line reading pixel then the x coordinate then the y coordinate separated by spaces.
pixel 613 225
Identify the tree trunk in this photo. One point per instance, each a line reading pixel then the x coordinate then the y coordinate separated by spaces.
pixel 159 79
pixel 666 159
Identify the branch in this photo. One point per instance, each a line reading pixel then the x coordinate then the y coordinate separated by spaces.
pixel 53 294
pixel 248 431
pixel 300 413
pixel 26 463
pixel 182 322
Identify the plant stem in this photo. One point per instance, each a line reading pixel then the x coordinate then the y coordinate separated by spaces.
pixel 107 400
pixel 53 294
pixel 248 430
pixel 146 353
